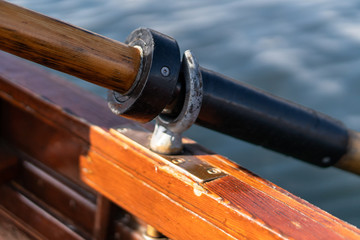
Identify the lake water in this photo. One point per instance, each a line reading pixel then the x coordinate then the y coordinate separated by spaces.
pixel 305 51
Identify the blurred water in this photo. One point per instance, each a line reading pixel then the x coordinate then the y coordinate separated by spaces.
pixel 305 51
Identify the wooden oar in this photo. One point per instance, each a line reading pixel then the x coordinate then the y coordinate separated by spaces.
pixel 66 48
pixel 237 110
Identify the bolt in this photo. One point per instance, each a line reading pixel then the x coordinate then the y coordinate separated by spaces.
pixel 177 160
pixel 165 71
pixel 213 171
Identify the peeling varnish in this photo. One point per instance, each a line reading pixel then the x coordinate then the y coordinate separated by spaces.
pixel 199 190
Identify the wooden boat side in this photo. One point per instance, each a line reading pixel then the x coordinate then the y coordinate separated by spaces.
pixel 64 134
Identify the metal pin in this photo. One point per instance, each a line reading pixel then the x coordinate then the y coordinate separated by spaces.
pixel 165 71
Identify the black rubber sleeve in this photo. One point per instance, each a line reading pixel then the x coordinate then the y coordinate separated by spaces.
pixel 250 114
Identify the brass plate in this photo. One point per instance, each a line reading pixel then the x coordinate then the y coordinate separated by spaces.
pixel 192 166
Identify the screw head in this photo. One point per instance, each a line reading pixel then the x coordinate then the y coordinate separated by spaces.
pixel 214 171
pixel 165 71
pixel 177 160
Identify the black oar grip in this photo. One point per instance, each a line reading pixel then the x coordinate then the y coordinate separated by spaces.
pixel 247 113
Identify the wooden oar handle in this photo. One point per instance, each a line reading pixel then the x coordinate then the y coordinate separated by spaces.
pixel 67 48
pixel 115 65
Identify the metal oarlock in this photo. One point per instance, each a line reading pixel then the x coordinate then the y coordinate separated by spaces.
pixel 155 87
pixel 167 136
pixel 174 96
pixel 156 80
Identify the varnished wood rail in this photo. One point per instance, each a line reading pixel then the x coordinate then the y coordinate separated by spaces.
pixel 67 48
pixel 114 65
pixel 74 134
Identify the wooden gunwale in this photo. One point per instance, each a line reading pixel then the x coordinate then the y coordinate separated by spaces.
pixel 238 206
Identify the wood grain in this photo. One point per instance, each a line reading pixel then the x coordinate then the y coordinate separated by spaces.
pixel 33 217
pixel 10 231
pixel 8 164
pixel 67 48
pixel 259 205
pixel 239 206
pixel 136 196
pixel 64 201
pixel 101 225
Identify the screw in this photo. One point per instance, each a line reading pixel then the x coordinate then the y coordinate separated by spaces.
pixel 165 71
pixel 213 171
pixel 177 160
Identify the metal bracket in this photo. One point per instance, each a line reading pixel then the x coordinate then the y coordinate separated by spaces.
pixel 167 136
pixel 169 90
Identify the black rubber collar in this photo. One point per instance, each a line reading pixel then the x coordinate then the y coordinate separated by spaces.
pixel 156 81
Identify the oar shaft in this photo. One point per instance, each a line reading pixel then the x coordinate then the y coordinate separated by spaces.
pixel 67 48
pixel 247 113
pixel 250 114
pixel 228 106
